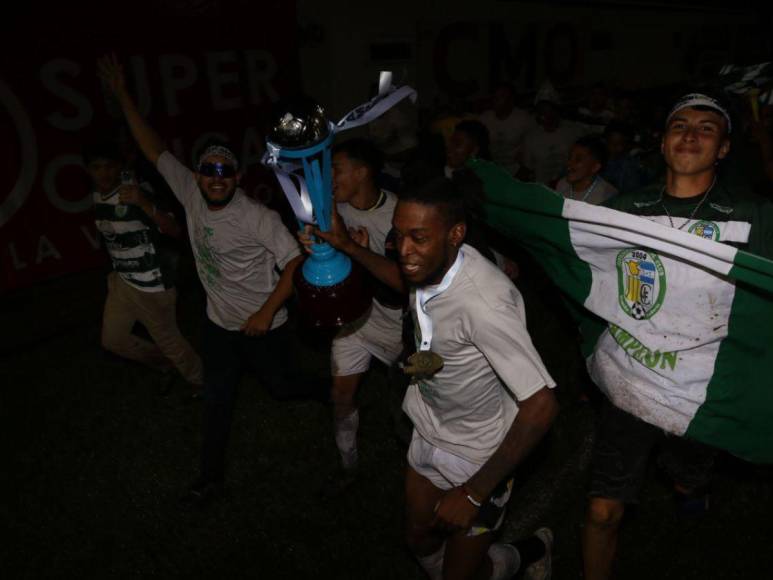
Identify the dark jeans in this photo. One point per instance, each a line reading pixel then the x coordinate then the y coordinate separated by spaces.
pixel 226 355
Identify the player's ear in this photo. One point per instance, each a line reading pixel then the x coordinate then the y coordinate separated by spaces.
pixel 457 233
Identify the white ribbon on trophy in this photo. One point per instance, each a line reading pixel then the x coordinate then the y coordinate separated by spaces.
pixel 288 173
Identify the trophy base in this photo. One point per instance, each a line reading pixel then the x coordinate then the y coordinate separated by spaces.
pixel 321 307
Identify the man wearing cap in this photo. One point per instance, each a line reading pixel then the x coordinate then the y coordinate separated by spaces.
pixel 240 247
pixel 506 126
pixel 546 147
pixel 692 199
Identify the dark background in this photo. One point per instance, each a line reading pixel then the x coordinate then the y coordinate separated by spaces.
pixel 96 457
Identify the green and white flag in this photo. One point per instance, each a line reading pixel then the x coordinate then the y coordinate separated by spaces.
pixel 682 335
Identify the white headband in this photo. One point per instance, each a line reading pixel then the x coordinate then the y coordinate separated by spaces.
pixel 222 152
pixel 700 100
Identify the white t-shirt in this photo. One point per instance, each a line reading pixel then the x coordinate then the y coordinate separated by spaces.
pixel 479 329
pixel 237 248
pixel 546 153
pixel 599 191
pixel 506 135
pixel 378 222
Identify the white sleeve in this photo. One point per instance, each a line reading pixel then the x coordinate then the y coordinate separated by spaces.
pixel 501 335
pixel 275 237
pixel 180 179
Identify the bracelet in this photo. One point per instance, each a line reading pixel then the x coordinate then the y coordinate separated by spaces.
pixel 470 498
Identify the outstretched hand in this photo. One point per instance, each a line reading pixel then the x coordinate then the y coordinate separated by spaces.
pixel 111 73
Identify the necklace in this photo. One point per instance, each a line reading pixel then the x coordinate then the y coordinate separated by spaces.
pixel 587 191
pixel 379 201
pixel 694 211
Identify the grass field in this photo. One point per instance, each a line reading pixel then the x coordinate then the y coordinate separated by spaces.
pixel 97 459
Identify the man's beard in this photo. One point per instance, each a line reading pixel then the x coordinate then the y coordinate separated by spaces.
pixel 217 202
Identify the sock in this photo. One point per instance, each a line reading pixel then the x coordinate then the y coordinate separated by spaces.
pixel 433 564
pixel 531 550
pixel 505 561
pixel 346 438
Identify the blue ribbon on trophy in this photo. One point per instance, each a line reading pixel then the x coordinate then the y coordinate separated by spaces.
pixel 299 151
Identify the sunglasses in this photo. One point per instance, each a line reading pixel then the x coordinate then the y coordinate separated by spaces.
pixel 219 169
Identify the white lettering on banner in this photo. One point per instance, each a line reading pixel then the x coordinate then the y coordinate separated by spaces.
pixel 49 185
pixel 28 151
pixel 218 79
pixel 46 250
pixel 93 240
pixel 84 112
pixel 75 111
pixel 174 82
pixel 18 263
pixel 41 248
pixel 261 68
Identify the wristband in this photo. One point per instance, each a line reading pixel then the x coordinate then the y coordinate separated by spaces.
pixel 470 497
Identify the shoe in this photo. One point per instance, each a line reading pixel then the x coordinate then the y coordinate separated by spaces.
pixel 338 483
pixel 202 493
pixel 542 568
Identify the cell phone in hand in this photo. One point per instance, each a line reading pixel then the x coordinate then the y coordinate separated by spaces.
pixel 128 178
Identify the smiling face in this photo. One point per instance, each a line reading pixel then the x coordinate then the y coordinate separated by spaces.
pixel 218 187
pixel 427 244
pixel 694 140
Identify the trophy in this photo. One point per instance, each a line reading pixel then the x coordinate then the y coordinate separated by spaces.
pixel 332 291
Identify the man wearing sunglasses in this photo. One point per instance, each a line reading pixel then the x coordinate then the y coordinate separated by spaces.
pixel 245 259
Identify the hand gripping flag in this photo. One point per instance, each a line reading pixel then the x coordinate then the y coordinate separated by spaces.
pixel 678 329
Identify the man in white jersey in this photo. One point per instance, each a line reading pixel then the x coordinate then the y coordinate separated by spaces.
pixel 360 228
pixel 507 125
pixel 480 398
pixel 240 247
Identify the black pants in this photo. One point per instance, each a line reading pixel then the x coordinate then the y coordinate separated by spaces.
pixel 226 355
pixel 622 449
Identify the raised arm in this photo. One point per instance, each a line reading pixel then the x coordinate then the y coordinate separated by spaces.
pixel 111 73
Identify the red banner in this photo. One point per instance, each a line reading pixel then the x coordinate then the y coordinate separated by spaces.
pixel 198 69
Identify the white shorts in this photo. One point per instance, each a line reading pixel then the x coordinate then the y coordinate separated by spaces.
pixel 446 471
pixel 377 334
